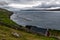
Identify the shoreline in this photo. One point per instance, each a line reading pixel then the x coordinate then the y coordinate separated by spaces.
pixel 11 24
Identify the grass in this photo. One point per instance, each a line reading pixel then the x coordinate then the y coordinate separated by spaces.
pixel 5 31
pixel 5 18
pixel 55 32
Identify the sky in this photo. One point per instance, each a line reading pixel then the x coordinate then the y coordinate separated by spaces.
pixel 32 3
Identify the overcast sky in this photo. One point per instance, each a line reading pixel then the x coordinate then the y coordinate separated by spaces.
pixel 30 3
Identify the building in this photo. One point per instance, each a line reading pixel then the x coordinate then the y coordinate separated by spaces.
pixel 37 30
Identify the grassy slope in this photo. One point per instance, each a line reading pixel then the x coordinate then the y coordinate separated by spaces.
pixel 4 18
pixel 5 31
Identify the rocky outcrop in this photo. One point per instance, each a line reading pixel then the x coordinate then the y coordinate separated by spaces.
pixel 15 34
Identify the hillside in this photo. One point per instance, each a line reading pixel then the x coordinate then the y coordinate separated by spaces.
pixel 5 18
pixel 7 26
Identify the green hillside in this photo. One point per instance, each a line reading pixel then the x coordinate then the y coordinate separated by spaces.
pixel 7 27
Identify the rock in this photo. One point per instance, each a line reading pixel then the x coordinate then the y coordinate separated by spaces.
pixel 15 34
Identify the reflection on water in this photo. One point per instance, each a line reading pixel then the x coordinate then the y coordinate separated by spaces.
pixel 38 18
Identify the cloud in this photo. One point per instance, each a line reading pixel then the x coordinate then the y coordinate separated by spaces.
pixel 34 3
pixel 49 4
pixel 23 1
pixel 2 2
pixel 20 1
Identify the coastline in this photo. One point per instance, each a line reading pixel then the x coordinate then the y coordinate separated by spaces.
pixel 9 23
pixel 6 18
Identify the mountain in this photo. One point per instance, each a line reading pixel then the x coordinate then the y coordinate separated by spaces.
pixel 41 9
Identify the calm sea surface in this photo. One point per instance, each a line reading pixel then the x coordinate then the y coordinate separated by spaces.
pixel 43 19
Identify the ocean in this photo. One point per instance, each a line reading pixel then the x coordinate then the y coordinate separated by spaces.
pixel 42 19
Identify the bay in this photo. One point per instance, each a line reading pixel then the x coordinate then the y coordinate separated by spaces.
pixel 42 19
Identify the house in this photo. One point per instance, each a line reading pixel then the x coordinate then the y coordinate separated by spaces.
pixel 37 30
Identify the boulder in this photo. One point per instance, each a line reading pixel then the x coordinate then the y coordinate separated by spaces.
pixel 15 34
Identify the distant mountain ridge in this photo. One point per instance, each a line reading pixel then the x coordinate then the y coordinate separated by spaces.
pixel 41 9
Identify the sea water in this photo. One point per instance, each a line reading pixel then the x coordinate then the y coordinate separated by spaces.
pixel 43 19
